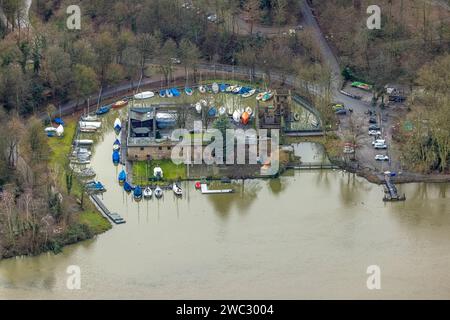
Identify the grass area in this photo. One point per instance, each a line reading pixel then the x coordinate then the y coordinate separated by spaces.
pixel 143 170
pixel 60 149
pixel 95 221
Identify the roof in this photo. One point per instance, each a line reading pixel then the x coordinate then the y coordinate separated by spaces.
pixel 141 114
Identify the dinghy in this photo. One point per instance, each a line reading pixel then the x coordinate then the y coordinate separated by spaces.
pixel 144 95
pixel 177 190
pixel 58 121
pixel 137 194
pixel 202 89
pixel 117 124
pixel 249 94
pixel 260 95
pixel 158 173
pixel 237 89
pixel 120 104
pixel 169 94
pixel 116 157
pixel 95 186
pixel 267 96
pixel 189 91
pixel 50 129
pixel 88 129
pixel 236 116
pixel 60 131
pixel 204 103
pixel 245 118
pixel 230 89
pixel 198 107
pixel 86 173
pixel 162 93
pixel 212 112
pixel 158 192
pixel 215 88
pixel 148 193
pixel 249 111
pixel 103 110
pixel 222 111
pixel 122 177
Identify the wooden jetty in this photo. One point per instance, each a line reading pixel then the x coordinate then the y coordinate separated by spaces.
pixel 391 192
pixel 114 217
pixel 205 190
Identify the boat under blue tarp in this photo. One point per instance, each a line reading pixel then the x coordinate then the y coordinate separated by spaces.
pixel 212 112
pixel 59 121
pixel 162 93
pixel 175 92
pixel 223 87
pixel 103 110
pixel 127 187
pixel 116 157
pixel 137 193
pixel 122 176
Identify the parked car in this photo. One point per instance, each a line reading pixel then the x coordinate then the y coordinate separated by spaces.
pixel 380 146
pixel 381 157
pixel 338 106
pixel 379 141
pixel 341 112
pixel 374 127
pixel 374 133
pixel 373 120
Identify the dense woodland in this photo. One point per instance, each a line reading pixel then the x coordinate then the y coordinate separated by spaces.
pixel 125 40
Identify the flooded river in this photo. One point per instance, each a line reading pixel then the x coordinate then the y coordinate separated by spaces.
pixel 305 235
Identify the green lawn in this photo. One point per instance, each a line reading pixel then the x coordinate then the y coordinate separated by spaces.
pixel 60 149
pixel 143 170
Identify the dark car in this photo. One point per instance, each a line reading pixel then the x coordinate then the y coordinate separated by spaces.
pixel 373 120
pixel 341 112
pixel 374 127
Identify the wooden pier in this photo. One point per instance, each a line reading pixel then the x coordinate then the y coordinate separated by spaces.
pixel 114 217
pixel 205 190
pixel 391 192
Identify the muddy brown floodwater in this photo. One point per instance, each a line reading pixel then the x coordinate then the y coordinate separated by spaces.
pixel 305 235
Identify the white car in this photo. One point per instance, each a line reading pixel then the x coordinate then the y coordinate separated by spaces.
pixel 381 157
pixel 378 141
pixel 380 146
pixel 374 133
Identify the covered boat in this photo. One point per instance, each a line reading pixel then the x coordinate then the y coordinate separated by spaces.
pixel 223 87
pixel 116 157
pixel 122 176
pixel 95 186
pixel 144 95
pixel 189 91
pixel 58 121
pixel 162 93
pixel 103 110
pixel 85 142
pixel 249 111
pixel 158 192
pixel 169 93
pixel 230 89
pixel 212 112
pixel 127 187
pixel 116 145
pixel 222 110
pixel 175 92
pixel 158 173
pixel 137 193
pixel 236 116
pixel 237 90
pixel 198 107
pixel 148 193
pixel 177 190
pixel 60 131
pixel 50 129
pixel 215 88
pixel 260 95
pixel 202 89
pixel 117 125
